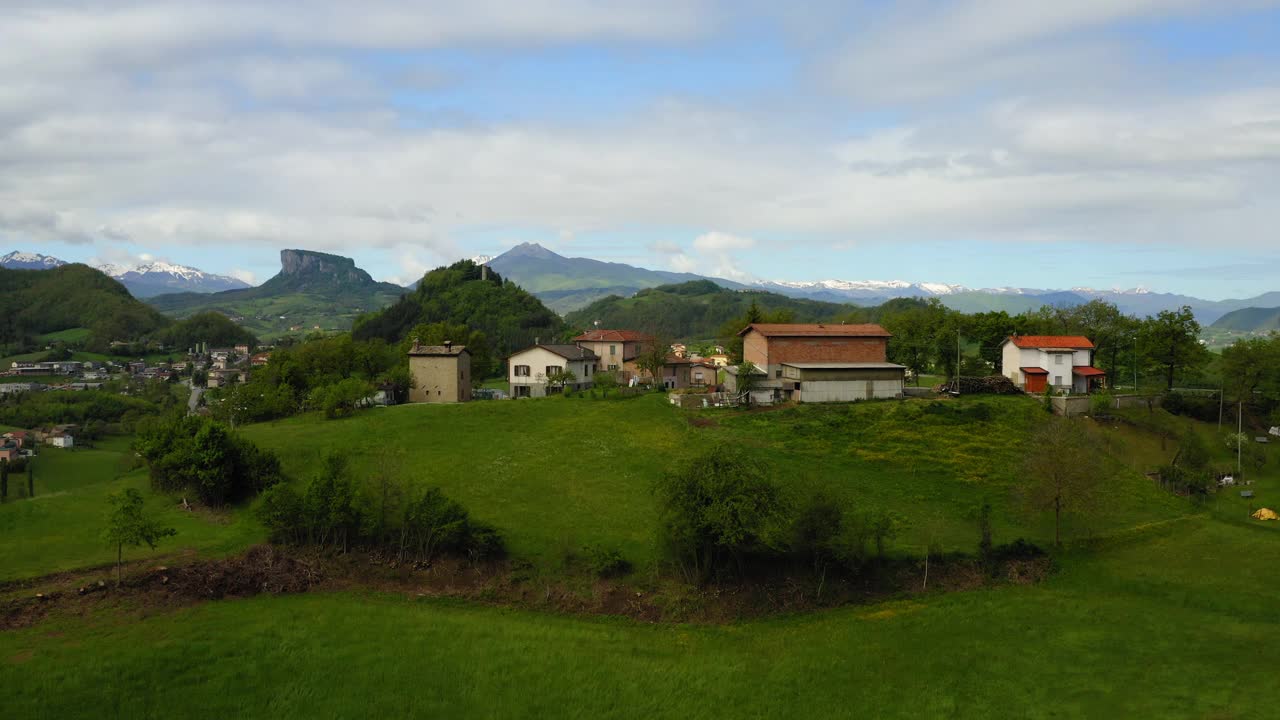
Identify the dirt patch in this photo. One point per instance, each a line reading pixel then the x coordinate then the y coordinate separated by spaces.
pixel 702 422
pixel 21 657
pixel 279 570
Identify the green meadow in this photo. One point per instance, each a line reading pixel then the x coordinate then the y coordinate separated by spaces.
pixel 1159 607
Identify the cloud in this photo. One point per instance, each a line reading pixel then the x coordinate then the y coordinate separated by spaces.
pixel 165 125
pixel 245 276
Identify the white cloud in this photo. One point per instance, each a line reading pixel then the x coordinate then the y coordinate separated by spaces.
pixel 244 276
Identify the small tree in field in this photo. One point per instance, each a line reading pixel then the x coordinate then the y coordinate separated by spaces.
pixel 606 381
pixel 559 379
pixel 1063 473
pixel 128 524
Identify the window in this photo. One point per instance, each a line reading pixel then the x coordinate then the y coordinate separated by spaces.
pixel 612 368
pixel 1057 359
pixel 522 371
pixel 586 371
pixel 777 373
pixel 613 349
pixel 1057 379
pixel 552 370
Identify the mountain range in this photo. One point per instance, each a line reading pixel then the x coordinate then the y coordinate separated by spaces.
pixel 566 284
pixel 145 280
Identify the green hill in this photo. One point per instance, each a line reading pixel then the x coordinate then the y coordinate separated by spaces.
pixel 313 290
pixel 466 294
pixel 696 310
pixel 566 284
pixel 68 297
pixel 1251 319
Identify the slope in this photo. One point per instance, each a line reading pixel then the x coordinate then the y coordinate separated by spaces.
pixel 1252 319
pixel 66 297
pixel 695 310
pixel 566 284
pixel 466 294
pixel 313 290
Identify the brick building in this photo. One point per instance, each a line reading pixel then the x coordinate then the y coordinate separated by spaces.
pixel 819 363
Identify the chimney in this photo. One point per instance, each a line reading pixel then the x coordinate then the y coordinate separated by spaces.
pixel 537 341
pixel 416 345
pixel 448 345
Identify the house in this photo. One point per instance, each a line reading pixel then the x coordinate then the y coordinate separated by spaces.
pixel 615 350
pixel 241 350
pixel 679 350
pixel 718 359
pixel 681 372
pixel 10 450
pixel 260 359
pixel 18 436
pixel 11 388
pixel 441 373
pixel 221 377
pixel 1063 362
pixel 60 439
pixel 529 369
pixel 818 363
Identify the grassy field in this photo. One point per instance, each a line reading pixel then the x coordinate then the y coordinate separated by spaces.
pixel 1168 612
pixel 70 335
pixel 563 472
pixel 1175 622
pixel 61 527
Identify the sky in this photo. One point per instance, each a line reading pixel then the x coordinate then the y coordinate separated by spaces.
pixel 989 143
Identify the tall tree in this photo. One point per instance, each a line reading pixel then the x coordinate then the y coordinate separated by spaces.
pixel 129 524
pixel 1171 342
pixel 1062 470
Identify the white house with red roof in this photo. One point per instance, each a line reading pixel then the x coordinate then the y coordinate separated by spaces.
pixel 1064 362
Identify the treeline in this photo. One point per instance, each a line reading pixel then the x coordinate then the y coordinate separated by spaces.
pixel 929 338
pixel 205 327
pixel 33 303
pixel 722 515
pixel 501 316
pixel 333 374
pixel 695 310
pixel 204 457
pixel 334 512
pixel 103 410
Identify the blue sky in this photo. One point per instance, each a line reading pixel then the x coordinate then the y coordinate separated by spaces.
pixel 1115 143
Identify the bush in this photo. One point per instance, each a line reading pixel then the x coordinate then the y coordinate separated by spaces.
pixel 716 510
pixel 605 563
pixel 204 457
pixel 280 510
pixel 1100 404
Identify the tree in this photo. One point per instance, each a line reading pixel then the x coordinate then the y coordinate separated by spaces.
pixel 1171 341
pixel 559 379
pixel 747 378
pixel 606 381
pixel 1063 473
pixel 717 508
pixel 653 358
pixel 129 524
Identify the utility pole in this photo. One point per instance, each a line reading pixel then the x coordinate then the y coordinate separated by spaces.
pixel 1222 398
pixel 1135 364
pixel 1239 434
pixel 957 361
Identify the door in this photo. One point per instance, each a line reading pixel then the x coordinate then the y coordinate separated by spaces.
pixel 1035 383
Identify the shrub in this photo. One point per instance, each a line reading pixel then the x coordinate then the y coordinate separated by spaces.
pixel 605 562
pixel 1100 404
pixel 205 457
pixel 717 509
pixel 280 510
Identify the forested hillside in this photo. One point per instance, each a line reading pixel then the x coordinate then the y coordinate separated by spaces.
pixel 1252 319
pixel 206 327
pixel 496 312
pixel 70 296
pixel 697 310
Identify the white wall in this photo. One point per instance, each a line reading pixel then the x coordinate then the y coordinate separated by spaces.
pixel 848 390
pixel 538 359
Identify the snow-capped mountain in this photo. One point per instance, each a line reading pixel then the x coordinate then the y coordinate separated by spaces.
pixel 158 278
pixel 146 280
pixel 860 289
pixel 18 260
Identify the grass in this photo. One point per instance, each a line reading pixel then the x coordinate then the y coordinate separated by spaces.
pixel 1168 613
pixel 70 335
pixel 60 528
pixel 1173 624
pixel 560 473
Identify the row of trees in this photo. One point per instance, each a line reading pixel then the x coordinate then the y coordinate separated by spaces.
pixel 384 514
pixel 205 457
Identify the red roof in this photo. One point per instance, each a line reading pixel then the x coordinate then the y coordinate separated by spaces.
pixel 1072 342
pixel 1086 371
pixel 613 336
pixel 1034 371
pixel 817 330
